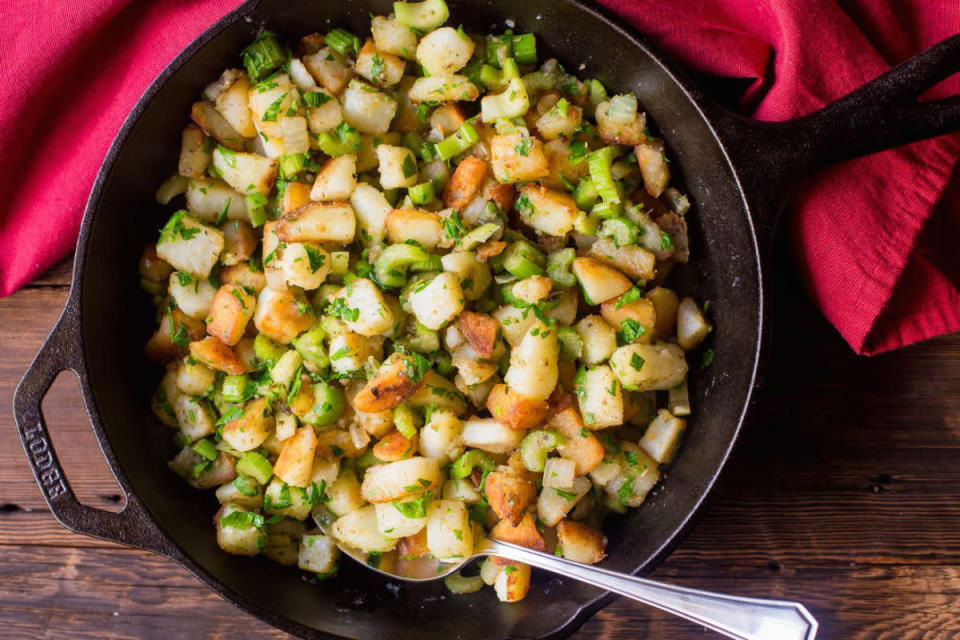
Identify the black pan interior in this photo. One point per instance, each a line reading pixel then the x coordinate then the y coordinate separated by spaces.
pixel 117 319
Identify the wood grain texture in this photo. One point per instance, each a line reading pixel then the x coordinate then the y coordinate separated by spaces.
pixel 844 493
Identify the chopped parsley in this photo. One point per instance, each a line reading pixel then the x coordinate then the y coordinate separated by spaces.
pixel 270 115
pixel 523 205
pixel 242 520
pixel 666 242
pixel 377 68
pixel 568 495
pixel 315 256
pixel 630 331
pixel 339 309
pixel 316 98
pixel 175 227
pixel 453 226
pixel 409 166
pixel 523 147
pixel 637 362
pixel 633 294
pixel 707 359
pixel 342 352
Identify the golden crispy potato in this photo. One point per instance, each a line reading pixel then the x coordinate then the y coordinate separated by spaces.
pixel 295 464
pixel 581 446
pixel 580 542
pixel 395 446
pixel 162 347
pixel 217 355
pixel 509 495
pixel 514 409
pixel 465 183
pixel 389 386
pixel 230 312
pixel 480 330
pixel 252 428
pixel 641 311
pixel 524 533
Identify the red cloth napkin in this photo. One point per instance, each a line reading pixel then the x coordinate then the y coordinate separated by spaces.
pixel 857 227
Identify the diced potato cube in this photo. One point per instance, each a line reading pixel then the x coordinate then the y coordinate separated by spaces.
pixel 653 166
pixel 189 245
pixel 295 464
pixel 631 259
pixel 368 110
pixel 217 355
pixel 252 428
pixel 324 118
pixel 616 130
pixel 557 122
pixel 665 303
pixel 440 437
pixel 344 493
pixel 548 211
pixel 559 473
pixel 449 534
pixel 443 89
pixel 638 475
pixel 517 159
pixel 379 67
pixel 161 346
pixel 304 265
pixel 641 312
pixel 230 312
pixel 245 172
pixel 280 498
pixel 392 37
pixel 490 435
pixel 358 529
pixel 318 554
pixel 283 315
pixel 239 242
pixel 580 542
pixel 194 416
pixel 513 583
pixel 194 378
pixel 239 540
pixel 582 447
pixel 598 281
pixel 601 398
pixel 474 276
pixel 209 119
pixel 194 154
pixel 401 479
pixel 234 105
pixel 336 180
pixel 465 183
pixel 444 51
pixel 692 326
pixel 398 167
pixel 392 522
pixel 423 227
pixel 318 222
pixel 348 351
pixel 390 385
pixel 269 102
pixel 599 339
pixel 438 302
pixel 207 199
pixel 331 70
pixel 480 330
pixel 514 323
pixel 371 209
pixel 192 295
pixel 646 367
pixel 662 438
pixel 524 533
pixel 515 410
pixel 533 363
pixel 509 494
pixel 554 505
pixel 373 316
pixel 438 392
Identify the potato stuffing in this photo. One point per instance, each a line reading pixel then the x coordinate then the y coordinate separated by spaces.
pixel 417 293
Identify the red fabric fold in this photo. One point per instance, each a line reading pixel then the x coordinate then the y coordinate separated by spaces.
pixel 857 228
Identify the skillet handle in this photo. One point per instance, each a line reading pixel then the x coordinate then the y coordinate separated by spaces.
pixel 63 350
pixel 882 114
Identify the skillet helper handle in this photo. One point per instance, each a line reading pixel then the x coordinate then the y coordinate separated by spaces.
pixel 731 616
pixel 62 351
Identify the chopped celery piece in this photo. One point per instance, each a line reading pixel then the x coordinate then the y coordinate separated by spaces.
pixel 422 340
pixel 607 210
pixel 571 344
pixel 498 49
pixel 256 466
pixel 344 139
pixel 598 93
pixel 558 267
pixel 458 142
pixel 422 16
pixel 444 365
pixel 492 78
pixel 390 269
pixel 343 42
pixel 263 56
pixel 478 236
pixel 623 230
pixel 293 164
pixel 536 446
pixel 525 48
pixel 206 449
pixel 522 267
pixel 413 141
pixel 246 485
pixel 257 207
pixel 328 403
pixel 510 69
pixel 339 262
pixel 267 350
pixel 311 347
pixel 473 459
pixel 538 81
pixel 600 163
pixel 422 193
pixel 236 389
pixel 585 195
pixel 406 420
pixel 586 223
pixel 432 263
pixel 513 102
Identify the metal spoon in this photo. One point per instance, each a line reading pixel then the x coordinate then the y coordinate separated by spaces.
pixel 732 616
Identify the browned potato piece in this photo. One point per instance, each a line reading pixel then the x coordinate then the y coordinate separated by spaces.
pixel 424 227
pixel 580 542
pixel 319 222
pixel 161 346
pixel 524 533
pixel 598 281
pixel 414 546
pixel 653 166
pixel 502 194
pixel 283 315
pixel 221 472
pixel 230 312
pixel 513 582
pixel 581 446
pixel 194 158
pixel 447 118
pixel 295 464
pixel 303 402
pixel 480 330
pixel 239 242
pixel 295 195
pixel 633 260
pixel 336 438
pixel 243 275
pixel 389 386
pixel 216 355
pixel 509 165
pixel 489 249
pixel 641 311
pixel 465 183
pixel 251 429
pixel 665 302
pixel 394 446
pixel 509 495
pixel 210 120
pixel 514 409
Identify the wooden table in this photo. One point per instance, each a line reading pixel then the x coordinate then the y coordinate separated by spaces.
pixel 844 493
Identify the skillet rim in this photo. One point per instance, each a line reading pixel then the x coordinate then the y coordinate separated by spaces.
pixel 167 546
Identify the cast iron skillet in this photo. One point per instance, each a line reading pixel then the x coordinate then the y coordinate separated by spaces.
pixel 735 171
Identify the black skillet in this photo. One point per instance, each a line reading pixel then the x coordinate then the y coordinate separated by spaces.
pixel 734 169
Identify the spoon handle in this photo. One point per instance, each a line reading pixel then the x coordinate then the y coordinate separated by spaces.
pixel 732 616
